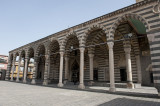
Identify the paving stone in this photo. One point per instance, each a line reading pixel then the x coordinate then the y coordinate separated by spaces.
pixel 17 94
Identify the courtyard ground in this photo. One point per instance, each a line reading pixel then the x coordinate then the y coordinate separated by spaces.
pixel 18 94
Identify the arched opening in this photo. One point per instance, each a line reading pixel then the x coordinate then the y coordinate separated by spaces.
pixel 97 56
pixel 53 73
pixel 75 72
pixel 132 54
pixel 30 66
pixel 41 63
pixel 72 54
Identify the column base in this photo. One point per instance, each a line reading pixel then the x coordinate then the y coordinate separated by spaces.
pixel 112 89
pixel 60 84
pixel 17 80
pixel 11 80
pixel 81 86
pixel 24 81
pixel 33 81
pixel 7 79
pixel 138 85
pixel 90 83
pixel 130 85
pixel 45 82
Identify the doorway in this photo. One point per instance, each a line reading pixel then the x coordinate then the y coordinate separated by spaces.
pixel 41 67
pixel 151 77
pixel 75 72
pixel 123 74
pixel 95 74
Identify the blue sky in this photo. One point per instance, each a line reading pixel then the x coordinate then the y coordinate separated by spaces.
pixel 25 21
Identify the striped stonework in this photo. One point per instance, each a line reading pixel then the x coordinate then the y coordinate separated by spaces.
pixel 155 57
pixel 107 28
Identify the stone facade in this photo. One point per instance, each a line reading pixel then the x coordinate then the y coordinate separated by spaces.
pixel 99 50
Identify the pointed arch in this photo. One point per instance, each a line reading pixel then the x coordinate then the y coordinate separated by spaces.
pixel 40 49
pixel 30 52
pixel 123 18
pixel 69 36
pixel 92 28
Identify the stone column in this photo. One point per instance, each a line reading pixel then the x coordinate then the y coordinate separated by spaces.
pixel 8 68
pixel 35 70
pixel 91 55
pixel 111 66
pixel 26 69
pixel 81 84
pixel 49 68
pixel 127 49
pixel 66 68
pixel 45 82
pixel 60 84
pixel 19 65
pixel 13 66
pixel 138 62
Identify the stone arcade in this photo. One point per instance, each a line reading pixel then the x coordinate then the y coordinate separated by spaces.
pixel 99 51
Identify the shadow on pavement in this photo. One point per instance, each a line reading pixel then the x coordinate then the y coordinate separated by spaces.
pixel 129 102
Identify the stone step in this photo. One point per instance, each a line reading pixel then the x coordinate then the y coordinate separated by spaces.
pixel 102 84
pixel 117 85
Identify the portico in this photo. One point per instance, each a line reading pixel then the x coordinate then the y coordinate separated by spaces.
pixel 109 49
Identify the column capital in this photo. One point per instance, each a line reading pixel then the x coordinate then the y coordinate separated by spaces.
pixel 81 49
pixel 62 48
pixel 81 44
pixel 91 55
pixel 91 50
pixel 127 50
pixel 46 56
pixel 61 53
pixel 110 44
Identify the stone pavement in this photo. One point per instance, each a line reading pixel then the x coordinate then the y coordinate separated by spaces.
pixel 17 94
